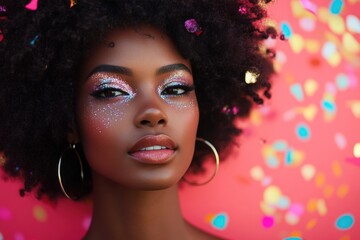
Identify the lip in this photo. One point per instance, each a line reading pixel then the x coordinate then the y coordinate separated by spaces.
pixel 143 150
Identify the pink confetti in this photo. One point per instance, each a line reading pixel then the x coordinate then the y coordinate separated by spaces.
pixel 354 160
pixel 340 140
pixel 308 5
pixel 5 214
pixel 32 5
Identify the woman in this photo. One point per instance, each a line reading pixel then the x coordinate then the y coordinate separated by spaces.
pixel 109 97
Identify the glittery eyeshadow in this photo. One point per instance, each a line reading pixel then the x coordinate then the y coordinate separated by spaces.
pixel 179 78
pixel 111 80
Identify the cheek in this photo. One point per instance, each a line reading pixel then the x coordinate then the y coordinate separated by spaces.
pixel 99 129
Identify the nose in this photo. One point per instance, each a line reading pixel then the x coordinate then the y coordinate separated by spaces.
pixel 151 117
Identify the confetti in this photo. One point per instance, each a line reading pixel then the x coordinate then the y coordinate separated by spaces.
pixel 356 150
pixel 257 173
pixel 350 43
pixel 310 6
pixel 320 179
pixel 354 107
pixel 307 24
pixel 272 195
pixel 286 29
pixel 308 171
pixel 336 6
pixel 220 221
pixel 311 224
pixel 296 91
pixel 297 43
pixel 310 86
pixel 342 191
pixel 32 5
pixel 336 24
pixel 303 132
pixel 342 82
pixel 345 222
pixel 353 23
pixel 340 140
pixel 268 221
pixel 291 219
pixel 313 46
pixel 5 214
pixel 292 238
pixel 355 161
pixel 336 168
pixel 309 112
pixel 39 213
pixel 321 207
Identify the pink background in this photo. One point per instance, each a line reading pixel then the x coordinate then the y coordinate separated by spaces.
pixel 296 173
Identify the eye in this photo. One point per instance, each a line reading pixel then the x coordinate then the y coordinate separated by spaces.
pixel 109 93
pixel 176 90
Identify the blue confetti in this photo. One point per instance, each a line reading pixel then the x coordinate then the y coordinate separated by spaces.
pixel 272 162
pixel 336 6
pixel 328 106
pixel 32 43
pixel 297 92
pixel 286 29
pixel 345 222
pixel 220 221
pixel 342 81
pixel 303 131
pixel 280 145
pixel 289 157
pixel 292 238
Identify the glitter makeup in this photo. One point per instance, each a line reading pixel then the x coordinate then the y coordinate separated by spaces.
pixel 110 85
pixel 177 81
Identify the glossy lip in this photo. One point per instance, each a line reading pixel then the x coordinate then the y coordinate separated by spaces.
pixel 158 156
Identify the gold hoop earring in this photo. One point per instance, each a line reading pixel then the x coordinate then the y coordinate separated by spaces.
pixel 217 163
pixel 69 149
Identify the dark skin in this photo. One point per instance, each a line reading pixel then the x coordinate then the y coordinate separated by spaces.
pixel 137 118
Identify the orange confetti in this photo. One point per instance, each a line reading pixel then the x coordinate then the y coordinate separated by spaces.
pixel 39 213
pixel 336 168
pixel 342 191
pixel 311 224
pixel 321 207
pixel 311 205
pixel 320 179
pixel 328 191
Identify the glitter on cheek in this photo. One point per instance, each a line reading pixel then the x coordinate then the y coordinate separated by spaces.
pixel 103 117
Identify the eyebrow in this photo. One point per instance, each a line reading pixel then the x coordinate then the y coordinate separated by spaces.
pixel 129 72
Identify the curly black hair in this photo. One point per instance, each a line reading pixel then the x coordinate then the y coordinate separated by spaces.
pixel 41 51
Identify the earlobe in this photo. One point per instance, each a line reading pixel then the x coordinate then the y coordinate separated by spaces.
pixel 72 137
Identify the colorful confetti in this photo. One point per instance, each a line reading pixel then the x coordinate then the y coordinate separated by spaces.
pixel 345 222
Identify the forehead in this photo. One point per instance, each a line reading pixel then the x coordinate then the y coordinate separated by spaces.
pixel 140 49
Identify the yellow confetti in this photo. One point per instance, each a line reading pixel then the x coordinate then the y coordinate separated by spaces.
pixel 328 191
pixel 350 43
pixel 336 168
pixel 267 209
pixel 342 191
pixel 257 173
pixel 355 107
pixel 311 205
pixel 356 150
pixel 320 179
pixel 39 213
pixel 323 14
pixel 308 171
pixel 297 43
pixel 336 24
pixel 267 151
pixel 255 117
pixel 291 219
pixel 310 87
pixel 309 112
pixel 299 11
pixel 311 224
pixel 334 60
pixel 312 46
pixel 272 195
pixel 321 207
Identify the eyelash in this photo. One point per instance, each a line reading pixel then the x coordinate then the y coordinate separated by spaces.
pixel 185 88
pixel 108 92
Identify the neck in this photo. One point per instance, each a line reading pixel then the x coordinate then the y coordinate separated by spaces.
pixel 122 213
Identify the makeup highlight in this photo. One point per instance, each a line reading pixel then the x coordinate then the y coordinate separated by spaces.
pixel 177 79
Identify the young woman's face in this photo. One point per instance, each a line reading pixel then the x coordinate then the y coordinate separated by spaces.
pixel 137 111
